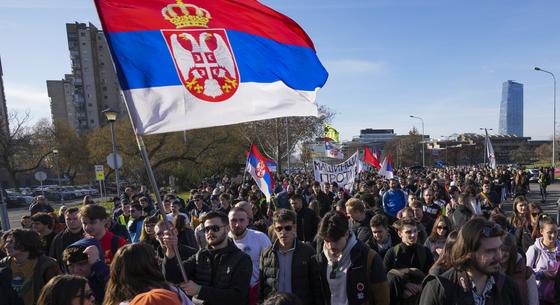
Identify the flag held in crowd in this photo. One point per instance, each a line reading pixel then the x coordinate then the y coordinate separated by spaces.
pixel 386 169
pixel 371 159
pixel 490 152
pixel 256 166
pixel 331 133
pixel 332 150
pixel 186 65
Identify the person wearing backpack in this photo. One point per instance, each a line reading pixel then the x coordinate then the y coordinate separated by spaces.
pixel 350 272
pixel 544 257
pixel 475 276
pixel 407 263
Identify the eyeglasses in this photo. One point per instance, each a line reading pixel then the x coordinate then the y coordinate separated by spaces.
pixel 213 228
pixel 285 228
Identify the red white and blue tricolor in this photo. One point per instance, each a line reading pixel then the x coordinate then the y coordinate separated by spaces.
pixel 199 63
pixel 256 166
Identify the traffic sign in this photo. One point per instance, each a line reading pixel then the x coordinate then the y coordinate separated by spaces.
pixel 99 173
pixel 40 176
pixel 111 161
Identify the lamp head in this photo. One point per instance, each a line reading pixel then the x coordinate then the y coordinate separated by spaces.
pixel 110 114
pixel 537 68
pixel 55 151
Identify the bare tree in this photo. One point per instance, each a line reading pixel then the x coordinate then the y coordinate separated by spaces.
pixel 20 151
pixel 276 137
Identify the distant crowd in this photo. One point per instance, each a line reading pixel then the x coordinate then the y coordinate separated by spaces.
pixel 426 236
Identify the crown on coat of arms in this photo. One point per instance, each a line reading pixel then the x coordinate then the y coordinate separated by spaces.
pixel 186 15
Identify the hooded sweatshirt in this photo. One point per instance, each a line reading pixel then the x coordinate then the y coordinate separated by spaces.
pixel 341 265
pixel 541 259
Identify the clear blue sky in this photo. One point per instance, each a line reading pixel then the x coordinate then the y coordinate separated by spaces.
pixel 443 60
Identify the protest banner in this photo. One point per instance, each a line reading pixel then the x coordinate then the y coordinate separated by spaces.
pixel 343 173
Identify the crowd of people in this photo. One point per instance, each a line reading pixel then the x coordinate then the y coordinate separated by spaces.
pixel 426 236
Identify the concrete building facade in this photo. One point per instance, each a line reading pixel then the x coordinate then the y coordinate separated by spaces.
pixel 80 97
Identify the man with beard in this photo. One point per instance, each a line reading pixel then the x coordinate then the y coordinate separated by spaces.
pixel 252 242
pixel 475 276
pixel 218 274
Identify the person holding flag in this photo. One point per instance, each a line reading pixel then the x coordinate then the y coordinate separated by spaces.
pixel 256 166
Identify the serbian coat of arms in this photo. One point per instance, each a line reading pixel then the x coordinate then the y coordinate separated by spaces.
pixel 202 56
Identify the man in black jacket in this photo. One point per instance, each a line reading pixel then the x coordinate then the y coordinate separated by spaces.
pixel 287 266
pixel 72 234
pixel 306 219
pixel 359 219
pixel 350 273
pixel 407 263
pixel 218 274
pixel 383 237
pixel 325 202
pixel 475 276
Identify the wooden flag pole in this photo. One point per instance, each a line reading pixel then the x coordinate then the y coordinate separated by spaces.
pixel 153 183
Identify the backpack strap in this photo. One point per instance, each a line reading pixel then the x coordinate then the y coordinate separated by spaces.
pixel 114 244
pixel 537 257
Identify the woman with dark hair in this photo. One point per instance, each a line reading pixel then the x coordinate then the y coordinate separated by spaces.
pixel 520 222
pixel 30 268
pixel 444 260
pixel 66 290
pixel 513 264
pixel 436 241
pixel 535 212
pixel 134 270
pixel 184 233
pixel 148 235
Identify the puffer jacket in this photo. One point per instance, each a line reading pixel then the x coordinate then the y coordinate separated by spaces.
pixel 305 282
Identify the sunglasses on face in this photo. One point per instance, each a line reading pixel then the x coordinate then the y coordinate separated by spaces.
pixel 213 228
pixel 287 228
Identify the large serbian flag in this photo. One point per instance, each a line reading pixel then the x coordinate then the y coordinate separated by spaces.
pixel 200 63
pixel 256 166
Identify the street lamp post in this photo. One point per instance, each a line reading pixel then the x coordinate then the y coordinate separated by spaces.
pixel 485 142
pixel 111 116
pixel 554 115
pixel 55 153
pixel 423 135
pixel 446 149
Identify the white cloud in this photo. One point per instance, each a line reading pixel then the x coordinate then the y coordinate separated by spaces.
pixel 24 98
pixel 354 66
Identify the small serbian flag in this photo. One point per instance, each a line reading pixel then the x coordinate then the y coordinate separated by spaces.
pixel 332 150
pixel 271 164
pixel 256 166
pixel 386 169
pixel 193 64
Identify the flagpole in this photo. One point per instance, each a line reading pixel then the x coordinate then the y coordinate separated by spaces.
pixel 153 183
pixel 288 145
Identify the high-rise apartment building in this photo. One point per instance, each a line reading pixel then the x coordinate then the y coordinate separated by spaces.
pixel 511 109
pixel 4 126
pixel 92 86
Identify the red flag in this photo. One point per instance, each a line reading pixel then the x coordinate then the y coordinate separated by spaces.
pixel 369 158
